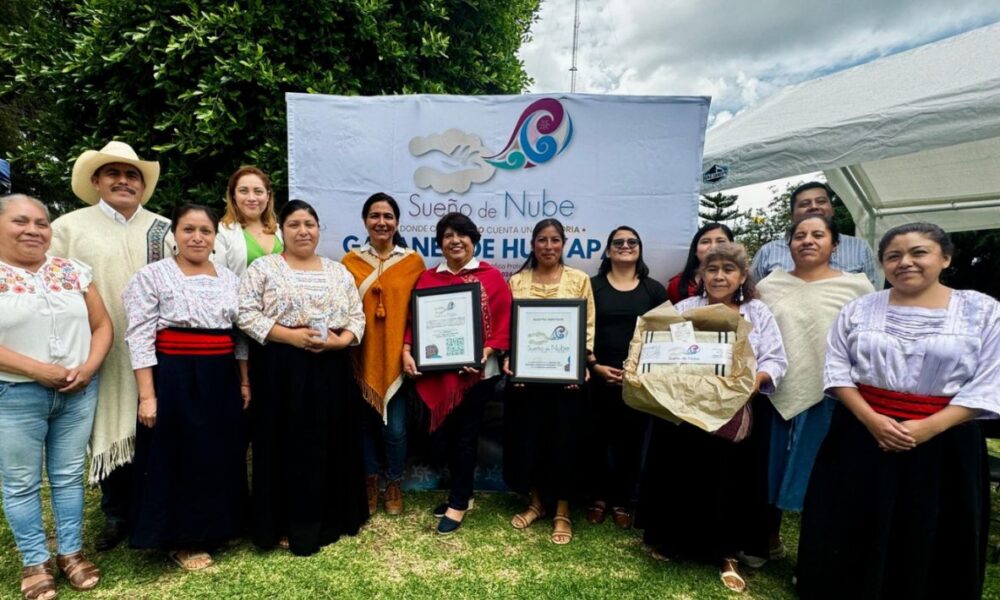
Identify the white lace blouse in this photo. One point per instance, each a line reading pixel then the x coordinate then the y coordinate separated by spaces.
pixel 272 293
pixel 953 351
pixel 160 295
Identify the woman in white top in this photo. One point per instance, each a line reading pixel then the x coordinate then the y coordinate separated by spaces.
pixel 54 334
pixel 303 311
pixel 190 487
pixel 249 229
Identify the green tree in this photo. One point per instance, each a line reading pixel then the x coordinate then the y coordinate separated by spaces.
pixel 200 85
pixel 718 208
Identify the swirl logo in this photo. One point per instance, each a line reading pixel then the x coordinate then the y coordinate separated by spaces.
pixel 558 333
pixel 542 132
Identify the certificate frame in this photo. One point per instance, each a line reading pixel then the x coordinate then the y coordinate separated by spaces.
pixel 449 316
pixel 541 352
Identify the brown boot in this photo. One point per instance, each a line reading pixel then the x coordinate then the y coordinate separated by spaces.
pixel 393 498
pixel 371 488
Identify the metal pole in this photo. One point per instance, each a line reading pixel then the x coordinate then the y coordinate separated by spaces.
pixel 576 38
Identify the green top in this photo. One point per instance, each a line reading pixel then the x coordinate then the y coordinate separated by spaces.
pixel 254 251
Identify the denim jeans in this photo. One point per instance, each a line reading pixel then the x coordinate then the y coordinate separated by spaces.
pixel 36 424
pixel 392 434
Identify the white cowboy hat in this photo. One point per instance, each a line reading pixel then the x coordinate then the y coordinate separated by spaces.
pixel 114 152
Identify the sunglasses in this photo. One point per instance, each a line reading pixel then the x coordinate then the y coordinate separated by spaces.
pixel 621 243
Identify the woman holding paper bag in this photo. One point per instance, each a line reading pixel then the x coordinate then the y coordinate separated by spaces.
pixel 544 424
pixel 898 502
pixel 303 311
pixel 805 303
pixel 704 497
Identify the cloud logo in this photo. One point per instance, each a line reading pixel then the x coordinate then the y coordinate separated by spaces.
pixel 542 132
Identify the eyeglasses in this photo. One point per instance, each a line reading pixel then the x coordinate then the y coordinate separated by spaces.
pixel 621 243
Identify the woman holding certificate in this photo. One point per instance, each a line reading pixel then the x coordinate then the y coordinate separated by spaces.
pixel 456 397
pixel 704 497
pixel 544 423
pixel 303 311
pixel 898 502
pixel 385 271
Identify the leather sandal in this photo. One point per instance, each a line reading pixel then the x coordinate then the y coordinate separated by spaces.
pixel 191 560
pixel 561 537
pixel 38 582
pixel 622 517
pixel 597 512
pixel 78 571
pixel 523 520
pixel 731 577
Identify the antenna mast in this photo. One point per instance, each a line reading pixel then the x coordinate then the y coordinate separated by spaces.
pixel 576 39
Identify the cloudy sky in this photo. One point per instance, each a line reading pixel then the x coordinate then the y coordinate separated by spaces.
pixel 736 52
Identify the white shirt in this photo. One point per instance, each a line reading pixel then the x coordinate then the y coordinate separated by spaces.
pixel 472 264
pixel 367 247
pixel 114 215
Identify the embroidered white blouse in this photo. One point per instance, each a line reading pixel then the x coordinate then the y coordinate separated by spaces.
pixel 160 295
pixel 272 293
pixel 43 315
pixel 765 338
pixel 953 351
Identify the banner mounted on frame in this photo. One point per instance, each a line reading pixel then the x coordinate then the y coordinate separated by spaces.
pixel 592 162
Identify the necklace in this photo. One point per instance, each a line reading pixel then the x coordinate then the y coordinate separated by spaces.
pixel 538 277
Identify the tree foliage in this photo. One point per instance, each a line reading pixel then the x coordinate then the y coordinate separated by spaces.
pixel 718 208
pixel 200 85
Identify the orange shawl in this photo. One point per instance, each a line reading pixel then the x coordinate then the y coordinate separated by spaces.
pixel 378 367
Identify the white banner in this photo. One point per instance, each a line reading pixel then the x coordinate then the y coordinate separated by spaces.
pixel 593 162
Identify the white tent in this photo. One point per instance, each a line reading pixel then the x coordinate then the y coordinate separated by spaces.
pixel 914 136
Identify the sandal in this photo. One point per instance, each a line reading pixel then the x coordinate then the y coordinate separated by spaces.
pixel 523 520
pixel 597 512
pixel 191 560
pixel 622 517
pixel 561 537
pixel 731 577
pixel 38 582
pixel 82 574
pixel 283 544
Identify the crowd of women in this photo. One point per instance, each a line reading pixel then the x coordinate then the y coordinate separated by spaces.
pixel 863 412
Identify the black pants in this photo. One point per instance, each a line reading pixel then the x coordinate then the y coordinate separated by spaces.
pixel 618 435
pixel 461 431
pixel 116 495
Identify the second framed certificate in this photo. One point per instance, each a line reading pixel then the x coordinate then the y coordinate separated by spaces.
pixel 447 327
pixel 548 344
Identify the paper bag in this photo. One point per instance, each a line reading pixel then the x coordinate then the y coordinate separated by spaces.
pixel 691 393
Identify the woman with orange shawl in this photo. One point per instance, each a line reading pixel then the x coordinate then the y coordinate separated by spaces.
pixel 385 271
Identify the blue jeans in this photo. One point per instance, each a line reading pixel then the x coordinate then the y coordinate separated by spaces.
pixel 393 435
pixel 38 423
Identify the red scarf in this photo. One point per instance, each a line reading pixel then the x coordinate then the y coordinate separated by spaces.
pixel 901 405
pixel 443 391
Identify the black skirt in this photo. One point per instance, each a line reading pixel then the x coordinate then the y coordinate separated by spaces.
pixel 190 486
pixel 308 476
pixel 702 497
pixel 879 524
pixel 544 433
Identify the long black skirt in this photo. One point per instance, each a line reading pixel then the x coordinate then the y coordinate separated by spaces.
pixel 879 524
pixel 308 476
pixel 544 433
pixel 702 497
pixel 190 482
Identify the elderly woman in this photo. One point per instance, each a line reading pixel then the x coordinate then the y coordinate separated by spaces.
pixel 544 424
pixel 249 229
pixel 898 502
pixel 805 303
pixel 190 467
pixel 456 398
pixel 623 290
pixel 303 311
pixel 385 271
pixel 54 334
pixel 712 503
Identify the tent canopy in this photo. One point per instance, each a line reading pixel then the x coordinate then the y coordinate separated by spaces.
pixel 913 136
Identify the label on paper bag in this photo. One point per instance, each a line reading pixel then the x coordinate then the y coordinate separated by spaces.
pixel 683 353
pixel 683 332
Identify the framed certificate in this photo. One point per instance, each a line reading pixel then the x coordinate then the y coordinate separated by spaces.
pixel 447 327
pixel 548 344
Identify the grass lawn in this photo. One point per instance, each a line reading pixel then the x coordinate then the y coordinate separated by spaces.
pixel 402 557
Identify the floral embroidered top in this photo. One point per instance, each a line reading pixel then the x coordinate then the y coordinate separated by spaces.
pixel 272 293
pixel 43 314
pixel 160 295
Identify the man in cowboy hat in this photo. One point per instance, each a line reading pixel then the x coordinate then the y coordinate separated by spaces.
pixel 116 237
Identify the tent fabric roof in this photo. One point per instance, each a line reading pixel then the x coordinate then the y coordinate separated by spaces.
pixel 913 136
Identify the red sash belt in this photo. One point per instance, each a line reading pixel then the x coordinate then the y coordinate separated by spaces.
pixel 199 343
pixel 901 405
